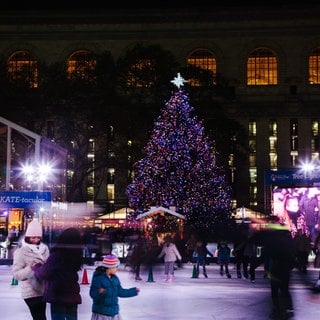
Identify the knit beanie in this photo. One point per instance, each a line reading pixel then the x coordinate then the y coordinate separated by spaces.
pixel 34 229
pixel 110 261
pixel 70 237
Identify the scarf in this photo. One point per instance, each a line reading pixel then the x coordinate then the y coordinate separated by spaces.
pixel 40 249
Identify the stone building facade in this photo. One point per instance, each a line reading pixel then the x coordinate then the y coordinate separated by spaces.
pixel 281 113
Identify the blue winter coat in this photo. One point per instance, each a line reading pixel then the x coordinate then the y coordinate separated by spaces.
pixel 224 254
pixel 106 303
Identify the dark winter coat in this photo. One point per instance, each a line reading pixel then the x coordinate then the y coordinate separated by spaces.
pixel 106 303
pixel 317 249
pixel 200 253
pixel 224 254
pixel 61 280
pixel 280 251
pixel 239 244
pixel 138 254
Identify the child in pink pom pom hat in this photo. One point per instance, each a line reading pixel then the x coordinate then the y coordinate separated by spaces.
pixel 106 288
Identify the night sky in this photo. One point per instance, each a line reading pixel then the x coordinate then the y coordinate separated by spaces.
pixel 140 4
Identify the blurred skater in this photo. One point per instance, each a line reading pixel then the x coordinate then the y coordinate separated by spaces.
pixel 60 273
pixel 200 253
pixel 224 254
pixel 171 255
pixel 280 252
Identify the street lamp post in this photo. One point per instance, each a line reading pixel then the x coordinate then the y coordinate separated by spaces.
pixel 37 176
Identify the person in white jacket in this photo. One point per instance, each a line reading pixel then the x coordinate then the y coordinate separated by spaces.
pixel 32 250
pixel 171 255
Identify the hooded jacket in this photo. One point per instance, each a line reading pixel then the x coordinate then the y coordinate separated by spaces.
pixel 107 303
pixel 23 258
pixel 170 252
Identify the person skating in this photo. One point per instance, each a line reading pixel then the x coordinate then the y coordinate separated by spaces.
pixel 32 251
pixel 138 254
pixel 106 288
pixel 60 273
pixel 241 260
pixel 224 253
pixel 280 253
pixel 200 253
pixel 171 255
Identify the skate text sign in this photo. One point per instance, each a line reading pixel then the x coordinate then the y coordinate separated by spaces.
pixel 23 199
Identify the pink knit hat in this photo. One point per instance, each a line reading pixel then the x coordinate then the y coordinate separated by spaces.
pixel 34 229
pixel 110 261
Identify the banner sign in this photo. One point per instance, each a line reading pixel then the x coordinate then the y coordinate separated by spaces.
pixel 292 177
pixel 24 199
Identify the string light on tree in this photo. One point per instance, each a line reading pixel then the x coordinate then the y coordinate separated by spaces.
pixel 179 168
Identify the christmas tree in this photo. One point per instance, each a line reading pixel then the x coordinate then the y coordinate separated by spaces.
pixel 179 168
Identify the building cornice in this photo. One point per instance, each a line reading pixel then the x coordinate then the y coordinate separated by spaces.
pixel 165 23
pixel 280 13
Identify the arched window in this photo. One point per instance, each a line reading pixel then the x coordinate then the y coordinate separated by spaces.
pixel 141 74
pixel 314 67
pixel 23 69
pixel 262 67
pixel 81 65
pixel 203 59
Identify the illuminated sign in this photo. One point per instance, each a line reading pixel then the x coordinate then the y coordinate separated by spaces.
pixel 24 199
pixel 292 177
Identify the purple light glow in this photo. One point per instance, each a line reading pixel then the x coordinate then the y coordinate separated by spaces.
pixel 179 168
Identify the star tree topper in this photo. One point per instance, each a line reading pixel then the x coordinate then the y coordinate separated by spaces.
pixel 178 81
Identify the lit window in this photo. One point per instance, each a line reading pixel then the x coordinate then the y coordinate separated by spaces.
pixel 90 192
pixel 273 160
pixel 294 139
pixel 252 160
pixel 314 67
pixel 252 128
pixel 231 160
pixel 22 67
pixel 110 192
pixel 203 59
pixel 253 175
pixel 315 128
pixel 294 134
pixel 273 144
pixel 262 67
pixel 273 129
pixel 315 135
pixel 141 74
pixel 81 65
pixel 252 146
pixel 110 176
pixel 253 191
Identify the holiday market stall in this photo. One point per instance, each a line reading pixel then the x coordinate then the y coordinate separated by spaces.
pixel 161 218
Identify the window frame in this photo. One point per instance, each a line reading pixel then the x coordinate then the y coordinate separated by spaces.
pixel 262 67
pixel 22 67
pixel 204 59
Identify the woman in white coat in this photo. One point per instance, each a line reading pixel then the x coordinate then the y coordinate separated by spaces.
pixel 32 251
pixel 171 255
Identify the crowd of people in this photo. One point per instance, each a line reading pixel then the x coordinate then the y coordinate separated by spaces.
pixel 50 275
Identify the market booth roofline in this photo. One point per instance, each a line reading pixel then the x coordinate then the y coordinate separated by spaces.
pixel 160 210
